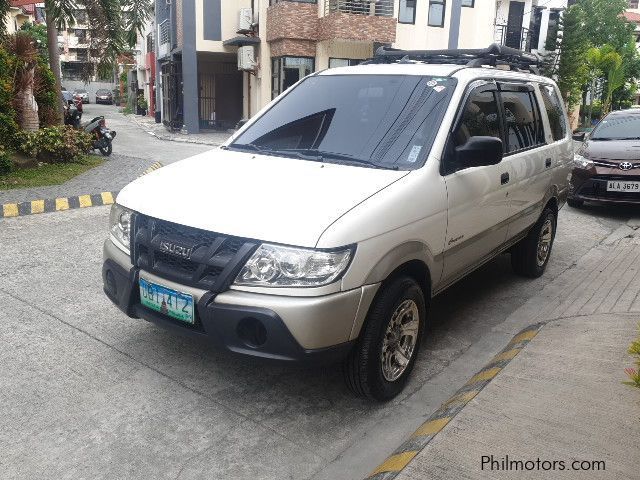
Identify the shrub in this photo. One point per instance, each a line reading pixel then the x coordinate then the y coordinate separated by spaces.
pixel 46 95
pixel 634 374
pixel 59 144
pixel 6 164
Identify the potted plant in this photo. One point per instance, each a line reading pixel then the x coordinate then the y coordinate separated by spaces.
pixel 142 105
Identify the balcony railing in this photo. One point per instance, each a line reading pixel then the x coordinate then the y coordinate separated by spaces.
pixel 379 8
pixel 514 37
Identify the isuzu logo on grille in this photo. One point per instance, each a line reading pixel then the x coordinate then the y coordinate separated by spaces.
pixel 175 249
pixel 626 166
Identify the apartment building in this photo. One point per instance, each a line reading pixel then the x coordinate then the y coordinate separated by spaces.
pixel 144 70
pixel 200 43
pixel 528 24
pixel 20 12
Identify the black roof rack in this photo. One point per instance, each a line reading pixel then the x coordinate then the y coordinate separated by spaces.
pixel 493 56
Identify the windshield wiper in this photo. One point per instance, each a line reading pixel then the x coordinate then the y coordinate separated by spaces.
pixel 318 155
pixel 247 146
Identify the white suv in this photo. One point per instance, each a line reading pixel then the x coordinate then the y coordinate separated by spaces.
pixel 322 229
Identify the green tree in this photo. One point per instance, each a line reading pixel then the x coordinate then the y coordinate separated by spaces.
pixel 114 27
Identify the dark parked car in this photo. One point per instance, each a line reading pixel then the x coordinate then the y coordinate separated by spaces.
pixel 607 165
pixel 104 96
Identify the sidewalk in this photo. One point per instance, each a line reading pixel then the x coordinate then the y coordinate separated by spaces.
pixel 158 130
pixel 561 398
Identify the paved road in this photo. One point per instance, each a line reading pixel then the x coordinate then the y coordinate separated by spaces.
pixel 87 393
pixel 132 141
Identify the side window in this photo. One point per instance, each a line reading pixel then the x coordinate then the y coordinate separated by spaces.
pixel 524 127
pixel 555 112
pixel 480 117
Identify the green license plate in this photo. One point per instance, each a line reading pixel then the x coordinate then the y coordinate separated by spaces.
pixel 170 302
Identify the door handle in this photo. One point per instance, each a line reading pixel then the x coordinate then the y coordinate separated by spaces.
pixel 504 178
pixel 547 163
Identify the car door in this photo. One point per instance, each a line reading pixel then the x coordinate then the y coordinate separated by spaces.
pixel 477 196
pixel 528 155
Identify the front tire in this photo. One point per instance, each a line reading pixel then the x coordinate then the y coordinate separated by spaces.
pixel 106 151
pixel 381 362
pixel 530 256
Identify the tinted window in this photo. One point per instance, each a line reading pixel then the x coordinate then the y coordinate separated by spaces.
pixel 102 92
pixel 554 111
pixel 390 120
pixel 618 127
pixel 522 121
pixel 480 118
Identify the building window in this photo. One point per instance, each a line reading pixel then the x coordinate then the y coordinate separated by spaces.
pixel 633 3
pixel 407 13
pixel 343 62
pixel 436 13
pixel 469 3
pixel 285 71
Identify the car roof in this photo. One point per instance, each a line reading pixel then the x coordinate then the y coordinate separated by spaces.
pixel 461 72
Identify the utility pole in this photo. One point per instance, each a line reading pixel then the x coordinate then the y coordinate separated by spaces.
pixel 454 25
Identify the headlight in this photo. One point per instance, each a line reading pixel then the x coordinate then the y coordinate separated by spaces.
pixel 120 226
pixel 582 162
pixel 276 266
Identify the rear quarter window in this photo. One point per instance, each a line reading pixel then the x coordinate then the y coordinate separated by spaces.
pixel 555 112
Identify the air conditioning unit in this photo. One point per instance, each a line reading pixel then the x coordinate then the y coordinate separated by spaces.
pixel 246 58
pixel 245 20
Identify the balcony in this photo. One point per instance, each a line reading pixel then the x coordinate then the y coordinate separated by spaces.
pixel 358 20
pixel 513 36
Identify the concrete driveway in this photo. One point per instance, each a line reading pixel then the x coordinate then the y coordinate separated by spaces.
pixel 86 392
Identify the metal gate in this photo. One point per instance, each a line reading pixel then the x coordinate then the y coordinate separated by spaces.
pixel 172 99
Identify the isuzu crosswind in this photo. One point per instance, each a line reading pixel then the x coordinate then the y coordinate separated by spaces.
pixel 323 228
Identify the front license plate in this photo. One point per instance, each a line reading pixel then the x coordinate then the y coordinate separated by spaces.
pixel 622 186
pixel 170 302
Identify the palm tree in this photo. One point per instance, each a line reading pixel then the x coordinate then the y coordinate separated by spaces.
pixel 114 25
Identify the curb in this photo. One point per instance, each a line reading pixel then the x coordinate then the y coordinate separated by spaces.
pixel 60 204
pixel 169 138
pixel 32 207
pixel 400 458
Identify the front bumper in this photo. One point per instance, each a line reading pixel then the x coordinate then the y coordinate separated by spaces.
pixel 591 186
pixel 318 330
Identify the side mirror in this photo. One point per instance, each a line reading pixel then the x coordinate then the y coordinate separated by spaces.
pixel 241 123
pixel 579 136
pixel 479 151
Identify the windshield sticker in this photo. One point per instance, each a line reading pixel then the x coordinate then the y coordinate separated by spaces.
pixel 439 88
pixel 432 83
pixel 413 154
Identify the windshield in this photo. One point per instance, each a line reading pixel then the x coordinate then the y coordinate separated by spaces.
pixel 384 121
pixel 618 127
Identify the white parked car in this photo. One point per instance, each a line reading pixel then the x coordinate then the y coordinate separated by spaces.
pixel 322 229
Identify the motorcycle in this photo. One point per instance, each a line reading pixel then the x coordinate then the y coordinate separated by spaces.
pixel 102 136
pixel 72 112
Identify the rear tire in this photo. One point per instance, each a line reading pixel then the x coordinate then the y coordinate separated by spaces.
pixel 575 203
pixel 530 256
pixel 381 362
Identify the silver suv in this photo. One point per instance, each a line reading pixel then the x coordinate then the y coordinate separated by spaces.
pixel 322 229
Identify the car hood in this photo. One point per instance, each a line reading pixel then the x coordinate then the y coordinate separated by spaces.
pixel 622 150
pixel 274 199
